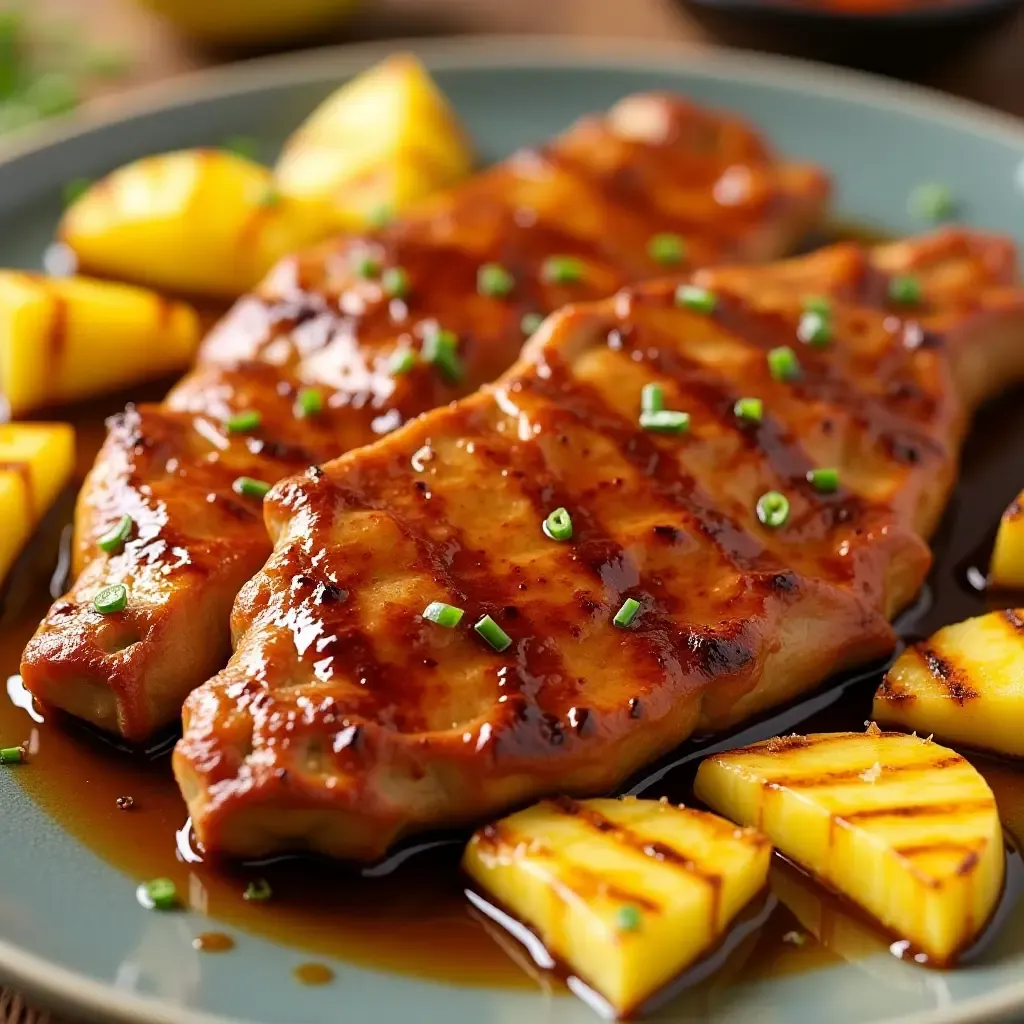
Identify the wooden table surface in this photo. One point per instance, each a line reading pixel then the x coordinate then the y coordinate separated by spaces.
pixel 990 70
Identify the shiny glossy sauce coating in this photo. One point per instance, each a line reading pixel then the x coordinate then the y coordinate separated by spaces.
pixel 347 719
pixel 592 200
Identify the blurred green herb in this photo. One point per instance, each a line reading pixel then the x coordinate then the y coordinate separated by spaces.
pixel 108 63
pixel 242 145
pixel 270 197
pixel 12 48
pixel 52 93
pixel 44 68
pixel 14 115
pixel 75 189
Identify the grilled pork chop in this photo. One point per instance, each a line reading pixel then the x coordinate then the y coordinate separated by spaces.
pixel 345 320
pixel 347 719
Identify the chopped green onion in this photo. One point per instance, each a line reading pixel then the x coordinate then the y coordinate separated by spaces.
pixel 666 421
pixel 446 615
pixel 365 265
pixel 652 398
pixel 402 361
pixel 243 422
pixel 381 216
pixel 667 248
pixel 12 755
pixel 258 891
pixel 824 480
pixel 250 488
pixel 751 410
pixel 395 282
pixel 700 300
pixel 75 189
pixel 494 280
pixel 562 270
pixel 111 600
pixel 905 289
pixel 270 197
pixel 931 201
pixel 819 304
pixel 530 323
pixel 493 633
pixel 441 349
pixel 814 330
pixel 162 893
pixel 773 508
pixel 114 539
pixel 558 525
pixel 627 613
pixel 52 93
pixel 244 146
pixel 308 402
pixel 627 919
pixel 783 363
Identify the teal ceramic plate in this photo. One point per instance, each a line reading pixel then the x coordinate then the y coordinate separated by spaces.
pixel 71 931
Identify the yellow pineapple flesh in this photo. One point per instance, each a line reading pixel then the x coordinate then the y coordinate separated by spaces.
pixel 628 892
pixel 378 144
pixel 67 338
pixel 965 684
pixel 900 825
pixel 36 461
pixel 1007 566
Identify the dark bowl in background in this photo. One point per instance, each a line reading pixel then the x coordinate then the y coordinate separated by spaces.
pixel 902 42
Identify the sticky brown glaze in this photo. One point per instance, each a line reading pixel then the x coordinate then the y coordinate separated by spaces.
pixel 345 720
pixel 598 194
pixel 313 974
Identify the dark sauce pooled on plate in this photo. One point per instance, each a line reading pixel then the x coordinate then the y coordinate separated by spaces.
pixel 411 914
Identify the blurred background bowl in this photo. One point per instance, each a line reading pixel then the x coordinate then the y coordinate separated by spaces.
pixel 908 39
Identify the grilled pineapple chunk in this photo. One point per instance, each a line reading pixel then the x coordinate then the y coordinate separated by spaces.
pixel 382 141
pixel 198 221
pixel 36 461
pixel 1007 566
pixel 1006 788
pixel 62 339
pixel 965 685
pixel 626 892
pixel 902 826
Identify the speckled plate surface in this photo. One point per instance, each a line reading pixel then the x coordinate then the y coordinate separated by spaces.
pixel 71 931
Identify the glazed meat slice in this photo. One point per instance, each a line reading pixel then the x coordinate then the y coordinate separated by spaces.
pixel 347 719
pixel 572 220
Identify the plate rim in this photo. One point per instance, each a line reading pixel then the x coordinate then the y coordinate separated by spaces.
pixel 65 989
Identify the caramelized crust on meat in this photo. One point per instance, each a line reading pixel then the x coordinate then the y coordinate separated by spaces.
pixel 345 720
pixel 598 193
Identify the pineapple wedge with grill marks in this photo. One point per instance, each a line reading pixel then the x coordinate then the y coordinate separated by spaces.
pixel 626 892
pixel 63 339
pixel 1007 566
pixel 902 826
pixel 381 142
pixel 965 685
pixel 36 461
